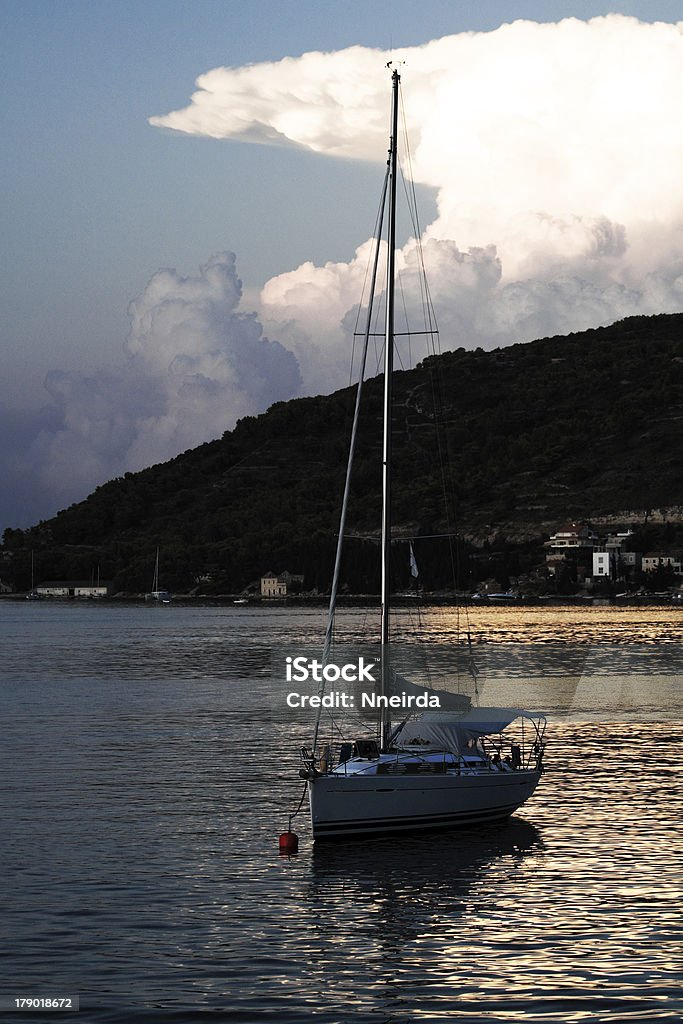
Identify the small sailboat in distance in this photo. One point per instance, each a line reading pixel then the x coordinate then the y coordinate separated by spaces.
pixel 156 593
pixel 33 594
pixel 440 768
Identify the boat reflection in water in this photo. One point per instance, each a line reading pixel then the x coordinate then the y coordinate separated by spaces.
pixel 390 891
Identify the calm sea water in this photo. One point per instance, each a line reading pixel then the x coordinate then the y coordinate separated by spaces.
pixel 148 768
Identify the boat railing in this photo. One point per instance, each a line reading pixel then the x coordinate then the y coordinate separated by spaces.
pixel 524 754
pixel 344 758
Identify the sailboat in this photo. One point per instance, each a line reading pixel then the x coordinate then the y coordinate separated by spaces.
pixel 33 594
pixel 156 594
pixel 447 767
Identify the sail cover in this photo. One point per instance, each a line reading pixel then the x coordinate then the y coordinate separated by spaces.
pixel 455 703
pixel 452 732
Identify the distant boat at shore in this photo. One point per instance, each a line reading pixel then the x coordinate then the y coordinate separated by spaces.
pixel 33 594
pixel 162 596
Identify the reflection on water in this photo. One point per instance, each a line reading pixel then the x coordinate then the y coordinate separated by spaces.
pixel 606 624
pixel 146 777
pixel 389 891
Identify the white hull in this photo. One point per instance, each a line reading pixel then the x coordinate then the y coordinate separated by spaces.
pixel 343 805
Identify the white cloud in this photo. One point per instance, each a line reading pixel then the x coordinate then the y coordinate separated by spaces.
pixel 556 151
pixel 303 101
pixel 195 365
pixel 211 364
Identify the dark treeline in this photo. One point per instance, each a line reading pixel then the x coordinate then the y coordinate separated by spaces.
pixel 494 449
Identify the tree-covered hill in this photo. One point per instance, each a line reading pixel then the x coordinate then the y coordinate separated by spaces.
pixel 504 444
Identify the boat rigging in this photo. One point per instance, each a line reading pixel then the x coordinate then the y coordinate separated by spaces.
pixel 446 767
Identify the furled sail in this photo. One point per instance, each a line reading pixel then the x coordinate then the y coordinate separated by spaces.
pixel 452 732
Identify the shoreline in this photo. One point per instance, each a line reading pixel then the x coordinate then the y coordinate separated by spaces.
pixel 372 601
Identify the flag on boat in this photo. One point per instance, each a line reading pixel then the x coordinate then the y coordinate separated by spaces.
pixel 413 564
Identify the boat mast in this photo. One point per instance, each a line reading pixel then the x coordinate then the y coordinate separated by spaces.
pixel 327 646
pixel 388 373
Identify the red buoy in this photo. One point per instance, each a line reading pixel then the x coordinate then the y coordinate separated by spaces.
pixel 289 843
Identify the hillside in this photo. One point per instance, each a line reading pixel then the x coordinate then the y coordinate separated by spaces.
pixel 575 427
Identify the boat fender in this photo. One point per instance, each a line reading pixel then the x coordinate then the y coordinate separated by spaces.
pixel 289 843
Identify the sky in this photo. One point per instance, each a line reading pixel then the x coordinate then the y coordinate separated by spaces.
pixel 189 191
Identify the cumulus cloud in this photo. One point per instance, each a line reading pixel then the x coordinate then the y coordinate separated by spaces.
pixel 210 363
pixel 555 151
pixel 195 365
pixel 298 101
